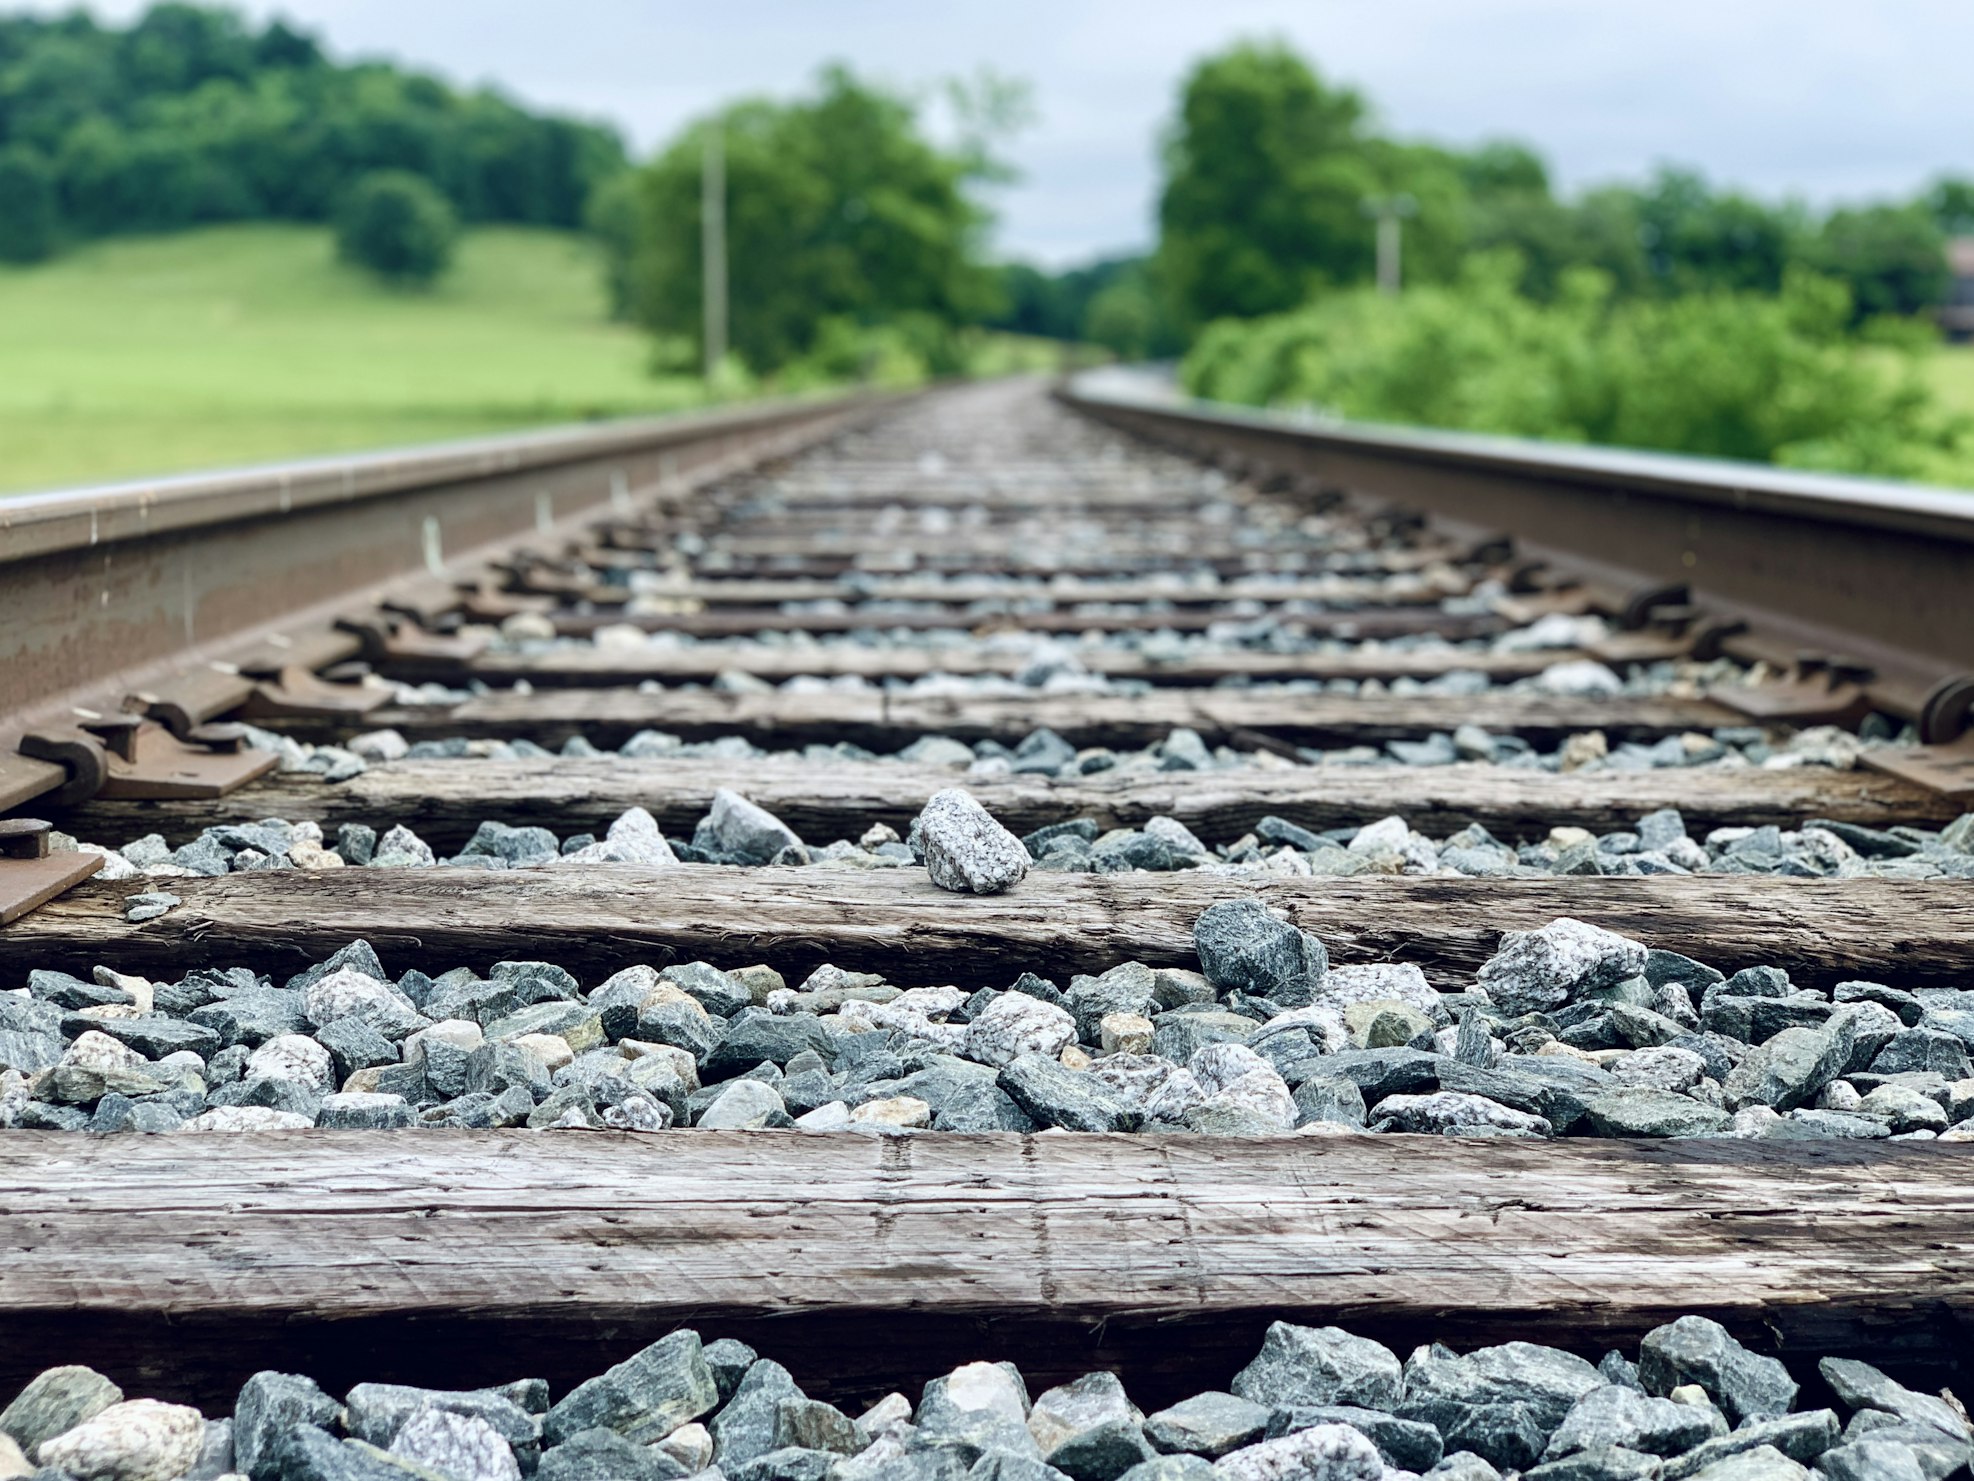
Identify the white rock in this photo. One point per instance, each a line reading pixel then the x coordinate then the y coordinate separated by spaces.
pixel 1537 970
pixel 246 1118
pixel 886 1414
pixel 293 1057
pixel 1579 676
pixel 1015 1024
pixel 1176 833
pixel 379 745
pixel 93 1050
pixel 12 1463
pixel 1386 836
pixel 634 838
pixel 978 1386
pixel 1075 1407
pixel 346 991
pixel 138 1440
pixel 461 1033
pixel 691 1445
pixel 966 851
pixel 830 1116
pixel 1380 982
pixel 1324 1452
pixel 140 989
pixel 551 1049
pixel 462 1446
pixel 905 1112
pixel 115 866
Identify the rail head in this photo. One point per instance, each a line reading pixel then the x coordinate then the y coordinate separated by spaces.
pixel 34 525
pixel 1867 572
pixel 1872 503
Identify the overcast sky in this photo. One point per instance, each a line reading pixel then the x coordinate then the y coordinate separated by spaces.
pixel 1822 99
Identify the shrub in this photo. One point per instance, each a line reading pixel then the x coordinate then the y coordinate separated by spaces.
pixel 397 225
pixel 1769 378
pixel 28 222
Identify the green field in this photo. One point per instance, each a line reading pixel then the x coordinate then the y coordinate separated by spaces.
pixel 241 344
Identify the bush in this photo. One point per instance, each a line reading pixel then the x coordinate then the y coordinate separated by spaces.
pixel 27 206
pixel 397 225
pixel 1737 375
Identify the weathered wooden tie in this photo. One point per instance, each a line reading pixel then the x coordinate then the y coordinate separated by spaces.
pixel 460 1258
pixel 597 918
pixel 444 801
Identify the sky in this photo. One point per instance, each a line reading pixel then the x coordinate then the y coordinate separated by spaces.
pixel 1822 100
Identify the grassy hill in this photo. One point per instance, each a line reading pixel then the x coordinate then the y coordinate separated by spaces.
pixel 241 344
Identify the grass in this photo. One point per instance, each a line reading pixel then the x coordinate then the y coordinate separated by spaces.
pixel 241 344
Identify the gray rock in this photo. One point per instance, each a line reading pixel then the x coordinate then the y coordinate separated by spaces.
pixel 1208 1424
pixel 56 1400
pixel 1862 1386
pixel 270 1405
pixel 965 850
pixel 461 1446
pixel 749 1423
pixel 1695 1349
pixel 790 1463
pixel 745 1105
pixel 755 1035
pixel 1537 970
pixel 215 1452
pixel 1313 1366
pixel 252 1018
pixel 1871 1459
pixel 1464 1465
pixel 1172 1468
pixel 736 831
pixel 643 1398
pixel 1924 1049
pixel 363 1111
pixel 1242 948
pixel 1333 1099
pixel 1404 1443
pixel 728 1361
pixel 1605 1463
pixel 1452 1113
pixel 810 1424
pixel 1103 1452
pixel 1055 1095
pixel 978 1409
pixel 1617 1415
pixel 303 1452
pixel 1763 1463
pixel 1382 1072
pixel 1639 1112
pixel 1503 1403
pixel 604 1455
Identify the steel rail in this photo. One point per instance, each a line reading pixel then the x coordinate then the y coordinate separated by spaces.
pixel 102 587
pixel 1858 571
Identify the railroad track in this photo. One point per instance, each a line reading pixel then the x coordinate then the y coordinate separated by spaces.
pixel 900 885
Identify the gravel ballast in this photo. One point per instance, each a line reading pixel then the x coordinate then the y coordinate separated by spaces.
pixel 1316 1404
pixel 1570 1030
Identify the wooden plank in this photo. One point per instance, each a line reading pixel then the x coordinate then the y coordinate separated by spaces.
pixel 444 801
pixel 703 662
pixel 1333 588
pixel 462 1258
pixel 889 722
pixel 599 918
pixel 1355 625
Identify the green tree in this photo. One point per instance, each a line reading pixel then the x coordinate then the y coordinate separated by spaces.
pixel 1893 258
pixel 1266 172
pixel 1950 202
pixel 398 226
pixel 838 209
pixel 28 213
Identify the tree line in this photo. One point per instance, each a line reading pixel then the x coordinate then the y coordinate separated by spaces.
pixel 190 116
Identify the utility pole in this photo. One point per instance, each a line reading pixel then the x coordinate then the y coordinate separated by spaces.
pixel 1390 211
pixel 713 250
